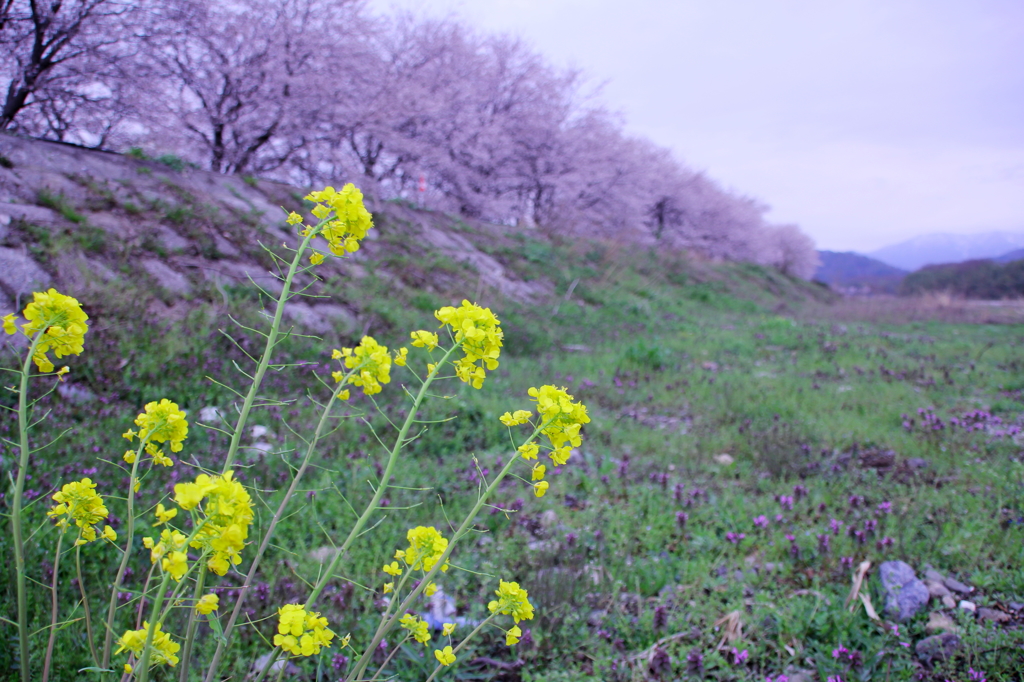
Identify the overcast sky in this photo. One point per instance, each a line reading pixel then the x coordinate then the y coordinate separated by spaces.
pixel 866 122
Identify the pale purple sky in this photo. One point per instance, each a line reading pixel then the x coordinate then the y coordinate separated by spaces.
pixel 866 122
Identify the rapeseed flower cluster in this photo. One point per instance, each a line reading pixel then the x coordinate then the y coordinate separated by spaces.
pixel 170 552
pixel 164 648
pixel 79 502
pixel 62 322
pixel 512 600
pixel 351 220
pixel 426 545
pixel 207 604
pixel 227 507
pixel 417 627
pixel 480 333
pixel 561 419
pixel 301 632
pixel 374 363
pixel 160 422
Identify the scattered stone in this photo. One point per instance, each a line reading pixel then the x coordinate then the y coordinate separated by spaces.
pixel 596 617
pixel 1015 606
pixel 289 668
pixel 800 674
pixel 937 647
pixel 724 459
pixel 20 275
pixel 936 590
pixel 993 616
pixel 167 277
pixel 905 595
pixel 210 414
pixel 933 575
pixel 917 463
pixel 968 606
pixel 323 555
pixel 939 622
pixel 548 519
pixel 957 586
pixel 74 393
pixel 949 602
pixel 878 459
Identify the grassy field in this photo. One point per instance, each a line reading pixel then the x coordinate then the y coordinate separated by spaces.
pixel 748 450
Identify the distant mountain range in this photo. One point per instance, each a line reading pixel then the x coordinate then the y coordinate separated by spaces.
pixel 932 249
pixel 849 270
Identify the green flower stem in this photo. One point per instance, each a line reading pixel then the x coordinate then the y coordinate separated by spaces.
pixel 147 648
pixel 463 643
pixel 225 640
pixel 364 660
pixel 53 610
pixel 261 368
pixel 374 503
pixel 108 639
pixel 19 490
pixel 85 605
pixel 190 631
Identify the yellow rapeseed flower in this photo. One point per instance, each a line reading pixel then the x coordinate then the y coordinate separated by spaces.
pixel 529 450
pixel 512 636
pixel 444 657
pixel 392 569
pixel 316 258
pixel 480 333
pixel 163 515
pixel 227 507
pixel 170 553
pixel 351 220
pixel 61 321
pixel 430 589
pixel 108 534
pixel 374 363
pixel 162 422
pixel 424 339
pixel 301 632
pixel 207 604
pixel 538 472
pixel 164 648
pixel 419 628
pixel 562 419
pixel 515 419
pixel 540 488
pixel 512 600
pixel 79 502
pixel 9 326
pixel 447 629
pixel 388 587
pixel 426 545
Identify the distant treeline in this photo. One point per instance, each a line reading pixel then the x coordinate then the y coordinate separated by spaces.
pixel 983 279
pixel 316 92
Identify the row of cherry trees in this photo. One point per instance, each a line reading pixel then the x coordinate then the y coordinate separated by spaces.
pixel 314 91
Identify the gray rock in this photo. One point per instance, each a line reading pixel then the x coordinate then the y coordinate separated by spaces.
pixel 1015 606
pixel 949 602
pixel 939 622
pixel 931 574
pixel 20 275
pixel 168 278
pixel 937 647
pixel 917 463
pixel 968 606
pixel 905 595
pixel 993 616
pixel 957 586
pixel 74 393
pixel 800 674
pixel 936 590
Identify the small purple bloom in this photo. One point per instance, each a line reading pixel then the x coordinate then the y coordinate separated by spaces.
pixel 761 521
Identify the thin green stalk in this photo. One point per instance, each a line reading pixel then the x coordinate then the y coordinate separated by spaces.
pixel 147 648
pixel 85 605
pixel 19 490
pixel 53 610
pixel 387 660
pixel 261 368
pixel 190 631
pixel 108 639
pixel 462 644
pixel 225 640
pixel 360 667
pixel 374 502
